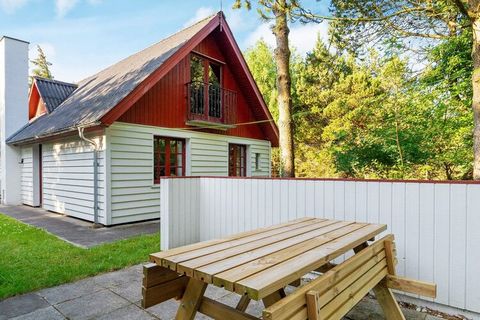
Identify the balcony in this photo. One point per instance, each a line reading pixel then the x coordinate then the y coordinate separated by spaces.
pixel 210 106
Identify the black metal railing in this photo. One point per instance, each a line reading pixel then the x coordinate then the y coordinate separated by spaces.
pixel 211 103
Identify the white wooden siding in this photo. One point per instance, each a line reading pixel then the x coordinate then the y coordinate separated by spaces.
pixel 68 178
pixel 27 176
pixel 134 197
pixel 436 225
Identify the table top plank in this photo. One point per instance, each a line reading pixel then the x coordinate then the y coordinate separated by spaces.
pixel 229 277
pixel 156 257
pixel 299 234
pixel 278 276
pixel 171 262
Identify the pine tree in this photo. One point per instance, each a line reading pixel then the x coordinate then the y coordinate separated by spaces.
pixel 42 65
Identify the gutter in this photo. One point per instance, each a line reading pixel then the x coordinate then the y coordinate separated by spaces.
pixel 96 224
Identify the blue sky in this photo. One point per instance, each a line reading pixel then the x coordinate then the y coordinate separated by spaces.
pixel 81 37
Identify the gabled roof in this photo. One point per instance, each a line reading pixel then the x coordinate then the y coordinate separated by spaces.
pixel 53 92
pixel 104 97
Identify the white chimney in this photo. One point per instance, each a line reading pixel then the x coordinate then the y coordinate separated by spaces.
pixel 13 113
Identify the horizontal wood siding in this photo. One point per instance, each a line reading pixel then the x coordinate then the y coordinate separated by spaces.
pixel 134 196
pixel 68 178
pixel 27 176
pixel 435 224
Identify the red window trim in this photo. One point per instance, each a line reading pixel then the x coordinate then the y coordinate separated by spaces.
pixel 167 157
pixel 232 166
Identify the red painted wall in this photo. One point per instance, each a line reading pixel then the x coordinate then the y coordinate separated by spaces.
pixel 165 104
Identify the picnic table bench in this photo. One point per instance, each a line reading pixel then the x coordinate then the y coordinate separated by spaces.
pixel 259 264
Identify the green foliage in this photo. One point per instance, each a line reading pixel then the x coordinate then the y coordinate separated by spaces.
pixel 41 65
pixel 32 258
pixel 375 117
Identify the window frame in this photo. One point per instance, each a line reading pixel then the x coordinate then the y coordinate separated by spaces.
pixel 167 156
pixel 232 165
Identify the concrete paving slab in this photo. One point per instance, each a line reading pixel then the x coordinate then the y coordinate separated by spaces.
pixel 49 313
pixel 127 313
pixel 119 278
pixel 76 231
pixel 95 305
pixel 69 291
pixel 20 305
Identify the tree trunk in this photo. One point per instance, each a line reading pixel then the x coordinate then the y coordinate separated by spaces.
pixel 282 59
pixel 476 97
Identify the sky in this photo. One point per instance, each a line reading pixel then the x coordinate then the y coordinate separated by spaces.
pixel 82 37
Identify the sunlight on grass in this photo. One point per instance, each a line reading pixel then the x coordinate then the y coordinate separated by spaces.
pixel 31 258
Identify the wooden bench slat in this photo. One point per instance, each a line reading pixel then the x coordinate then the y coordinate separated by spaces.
pixel 300 234
pixel 217 310
pixel 172 261
pixel 263 283
pixel 286 308
pixel 164 291
pixel 154 275
pixel 422 288
pixel 230 277
pixel 156 257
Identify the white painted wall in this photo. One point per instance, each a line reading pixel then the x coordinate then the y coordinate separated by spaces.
pixel 27 176
pixel 13 114
pixel 436 225
pixel 134 196
pixel 68 177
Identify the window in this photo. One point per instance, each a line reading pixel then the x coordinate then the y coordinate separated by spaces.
pixel 205 87
pixel 168 157
pixel 237 160
pixel 257 161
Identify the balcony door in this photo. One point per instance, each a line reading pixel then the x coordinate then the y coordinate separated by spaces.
pixel 237 160
pixel 205 88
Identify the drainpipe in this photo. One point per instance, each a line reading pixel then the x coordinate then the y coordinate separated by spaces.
pixel 96 224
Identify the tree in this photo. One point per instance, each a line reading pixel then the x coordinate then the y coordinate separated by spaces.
pixel 356 22
pixel 280 11
pixel 42 65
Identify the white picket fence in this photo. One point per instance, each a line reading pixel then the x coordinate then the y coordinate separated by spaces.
pixel 436 225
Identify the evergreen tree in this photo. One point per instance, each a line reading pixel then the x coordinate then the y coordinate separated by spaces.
pixel 42 65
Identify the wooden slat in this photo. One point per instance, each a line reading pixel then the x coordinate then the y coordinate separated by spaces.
pixel 230 277
pixel 156 257
pixel 390 257
pixel 422 288
pixel 387 301
pixel 273 297
pixel 217 310
pixel 296 301
pixel 191 300
pixel 268 244
pixel 378 272
pixel 172 261
pixel 242 305
pixel 278 276
pixel 164 291
pixel 353 295
pixel 269 252
pixel 313 306
pixel 154 275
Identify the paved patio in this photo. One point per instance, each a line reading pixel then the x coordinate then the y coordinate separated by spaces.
pixel 117 295
pixel 76 231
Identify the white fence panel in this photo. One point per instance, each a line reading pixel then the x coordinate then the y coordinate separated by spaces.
pixel 436 225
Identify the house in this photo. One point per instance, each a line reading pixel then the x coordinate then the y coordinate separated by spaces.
pixel 96 150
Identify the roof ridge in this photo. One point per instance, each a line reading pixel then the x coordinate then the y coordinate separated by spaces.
pixel 154 44
pixel 55 81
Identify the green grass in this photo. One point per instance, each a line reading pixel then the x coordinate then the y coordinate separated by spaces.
pixel 31 258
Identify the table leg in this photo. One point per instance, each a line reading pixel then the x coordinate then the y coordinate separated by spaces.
pixel 243 303
pixel 191 300
pixel 274 297
pixel 387 301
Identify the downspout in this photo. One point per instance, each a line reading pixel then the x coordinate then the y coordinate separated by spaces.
pixel 96 224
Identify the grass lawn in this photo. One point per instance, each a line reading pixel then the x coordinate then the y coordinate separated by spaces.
pixel 31 258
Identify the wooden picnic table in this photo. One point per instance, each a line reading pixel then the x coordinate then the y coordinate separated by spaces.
pixel 256 264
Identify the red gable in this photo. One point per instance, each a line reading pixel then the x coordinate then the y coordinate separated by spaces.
pixel 161 99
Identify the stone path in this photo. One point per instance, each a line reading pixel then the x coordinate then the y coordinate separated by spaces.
pixel 76 231
pixel 117 295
